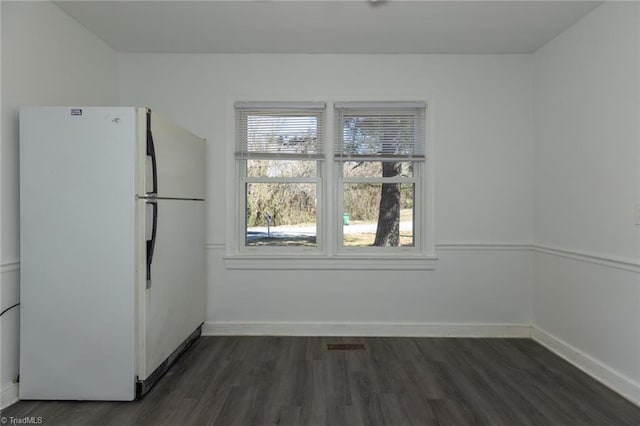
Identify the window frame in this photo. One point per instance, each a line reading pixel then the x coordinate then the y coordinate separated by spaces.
pixel 242 157
pixel 418 158
pixel 329 254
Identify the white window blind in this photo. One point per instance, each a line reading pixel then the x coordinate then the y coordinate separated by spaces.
pixel 272 130
pixel 379 131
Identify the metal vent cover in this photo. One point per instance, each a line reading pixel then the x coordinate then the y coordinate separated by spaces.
pixel 345 347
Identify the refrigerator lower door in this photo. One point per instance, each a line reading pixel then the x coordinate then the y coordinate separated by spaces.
pixel 172 298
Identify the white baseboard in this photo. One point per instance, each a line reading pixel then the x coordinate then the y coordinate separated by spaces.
pixel 614 380
pixel 9 395
pixel 365 329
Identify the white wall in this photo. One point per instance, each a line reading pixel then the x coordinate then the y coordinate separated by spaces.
pixel 586 294
pixel 483 178
pixel 47 59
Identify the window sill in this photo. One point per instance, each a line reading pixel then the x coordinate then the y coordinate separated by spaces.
pixel 405 263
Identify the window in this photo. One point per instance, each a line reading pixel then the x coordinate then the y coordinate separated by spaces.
pixel 379 150
pixel 368 203
pixel 279 149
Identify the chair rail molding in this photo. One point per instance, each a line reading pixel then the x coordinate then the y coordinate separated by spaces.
pixel 631 265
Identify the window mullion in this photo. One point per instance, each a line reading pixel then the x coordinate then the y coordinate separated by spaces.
pixel 339 210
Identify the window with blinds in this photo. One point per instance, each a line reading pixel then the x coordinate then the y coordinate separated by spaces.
pixel 380 148
pixel 279 149
pixel 379 131
pixel 275 130
pixel 369 201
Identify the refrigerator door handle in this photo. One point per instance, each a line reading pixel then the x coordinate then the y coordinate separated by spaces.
pixel 151 152
pixel 151 244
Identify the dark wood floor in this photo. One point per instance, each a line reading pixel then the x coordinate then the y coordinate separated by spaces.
pixel 394 381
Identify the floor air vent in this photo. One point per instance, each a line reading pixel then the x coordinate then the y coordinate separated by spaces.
pixel 345 347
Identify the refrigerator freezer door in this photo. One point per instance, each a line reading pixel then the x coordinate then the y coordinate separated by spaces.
pixel 78 262
pixel 179 156
pixel 174 304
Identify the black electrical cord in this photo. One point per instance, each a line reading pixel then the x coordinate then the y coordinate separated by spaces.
pixel 9 308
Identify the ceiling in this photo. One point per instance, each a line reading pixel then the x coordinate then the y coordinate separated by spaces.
pixel 338 26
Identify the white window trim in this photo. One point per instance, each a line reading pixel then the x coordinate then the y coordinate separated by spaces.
pixel 241 179
pixel 327 256
pixel 387 263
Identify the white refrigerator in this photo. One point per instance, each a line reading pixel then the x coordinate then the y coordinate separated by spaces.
pixel 112 280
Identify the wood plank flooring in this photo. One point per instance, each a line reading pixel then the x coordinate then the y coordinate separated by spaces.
pixel 394 381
